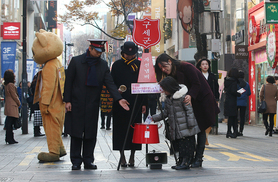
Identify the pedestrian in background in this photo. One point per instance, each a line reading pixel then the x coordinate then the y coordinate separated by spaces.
pixel 36 110
pixel 204 66
pixel 199 95
pixel 11 105
pixel 30 98
pixel 271 96
pixel 19 92
pixel 106 105
pixel 182 123
pixel 86 74
pixel 124 72
pixel 242 100
pixel 230 103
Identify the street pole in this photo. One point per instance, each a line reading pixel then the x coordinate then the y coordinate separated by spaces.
pixel 24 74
pixel 65 54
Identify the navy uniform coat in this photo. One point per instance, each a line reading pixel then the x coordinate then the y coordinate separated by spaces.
pixel 85 100
pixel 122 75
pixel 202 99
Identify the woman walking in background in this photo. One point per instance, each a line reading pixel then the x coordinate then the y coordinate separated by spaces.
pixel 242 100
pixel 11 105
pixel 230 103
pixel 271 96
pixel 204 66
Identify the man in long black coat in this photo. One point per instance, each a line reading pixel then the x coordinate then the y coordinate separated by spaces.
pixel 85 77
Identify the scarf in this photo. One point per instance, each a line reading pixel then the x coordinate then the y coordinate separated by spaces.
pixel 91 72
pixel 131 63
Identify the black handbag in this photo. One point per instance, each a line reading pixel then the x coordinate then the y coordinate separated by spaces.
pixel 262 107
pixel 17 123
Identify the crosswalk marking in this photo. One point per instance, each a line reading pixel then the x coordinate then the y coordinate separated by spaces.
pixel 233 157
pixel 256 156
pixel 209 158
pixel 35 150
pixel 26 161
pixel 225 146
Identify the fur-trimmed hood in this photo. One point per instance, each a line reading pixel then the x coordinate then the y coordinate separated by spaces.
pixel 178 94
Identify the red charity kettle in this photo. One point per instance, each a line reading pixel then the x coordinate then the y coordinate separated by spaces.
pixel 145 133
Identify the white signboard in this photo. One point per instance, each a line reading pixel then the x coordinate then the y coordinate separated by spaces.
pixel 145 88
pixel 110 48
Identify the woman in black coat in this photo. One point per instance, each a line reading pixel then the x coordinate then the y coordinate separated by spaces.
pixel 199 95
pixel 230 103
pixel 204 66
pixel 125 71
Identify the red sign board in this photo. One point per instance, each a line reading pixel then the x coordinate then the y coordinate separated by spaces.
pixel 146 32
pixel 11 30
pixel 254 31
pixel 146 72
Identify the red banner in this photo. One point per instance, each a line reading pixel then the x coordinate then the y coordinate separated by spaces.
pixel 11 30
pixel 146 32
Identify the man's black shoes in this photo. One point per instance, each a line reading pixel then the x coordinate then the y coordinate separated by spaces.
pixel 90 166
pixel 75 167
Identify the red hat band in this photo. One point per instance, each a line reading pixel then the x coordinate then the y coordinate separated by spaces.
pixel 97 45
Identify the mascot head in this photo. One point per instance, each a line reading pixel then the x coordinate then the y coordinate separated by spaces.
pixel 46 46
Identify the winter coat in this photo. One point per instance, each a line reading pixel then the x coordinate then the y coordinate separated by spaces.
pixel 202 99
pixel 230 103
pixel 122 75
pixel 181 118
pixel 85 100
pixel 213 83
pixel 271 97
pixel 243 99
pixel 11 101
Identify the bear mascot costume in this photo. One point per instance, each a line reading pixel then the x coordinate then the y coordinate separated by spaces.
pixel 46 48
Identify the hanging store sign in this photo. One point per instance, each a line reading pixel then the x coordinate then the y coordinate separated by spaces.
pixel 8 53
pixel 254 31
pixel 11 30
pixel 185 12
pixel 271 10
pixel 241 52
pixel 271 42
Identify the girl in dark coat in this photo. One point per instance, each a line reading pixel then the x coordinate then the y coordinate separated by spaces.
pixel 230 103
pixel 124 72
pixel 199 95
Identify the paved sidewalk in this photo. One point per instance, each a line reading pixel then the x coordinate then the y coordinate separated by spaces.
pixel 19 162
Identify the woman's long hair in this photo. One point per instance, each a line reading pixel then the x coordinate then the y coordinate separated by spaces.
pixel 170 85
pixel 9 77
pixel 163 59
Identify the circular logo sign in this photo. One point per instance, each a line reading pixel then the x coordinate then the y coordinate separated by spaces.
pixel 271 46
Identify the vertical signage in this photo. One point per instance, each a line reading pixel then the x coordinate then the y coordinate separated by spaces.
pixel 52 14
pixel 158 13
pixel 271 10
pixel 8 53
pixel 146 72
pixel 271 46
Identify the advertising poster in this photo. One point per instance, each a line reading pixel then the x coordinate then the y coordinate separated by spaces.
pixel 8 53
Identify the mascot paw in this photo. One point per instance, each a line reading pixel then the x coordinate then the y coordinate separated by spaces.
pixel 62 152
pixel 48 157
pixel 44 109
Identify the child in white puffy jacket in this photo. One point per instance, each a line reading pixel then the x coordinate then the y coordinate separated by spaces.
pixel 182 123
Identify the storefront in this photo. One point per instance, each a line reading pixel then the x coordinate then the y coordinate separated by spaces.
pixel 262 46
